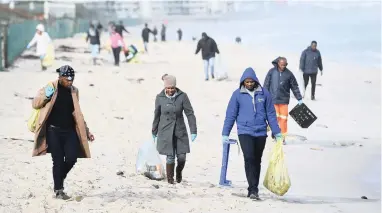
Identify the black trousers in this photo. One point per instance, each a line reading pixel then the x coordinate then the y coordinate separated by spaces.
pixel 313 78
pixel 163 37
pixel 64 146
pixel 253 148
pixel 116 53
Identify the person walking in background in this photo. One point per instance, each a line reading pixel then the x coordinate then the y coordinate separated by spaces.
pixel 146 36
pixel 61 129
pixel 169 128
pixel 310 62
pixel 94 37
pixel 180 34
pixel 251 106
pixel 120 28
pixel 43 43
pixel 111 25
pixel 209 48
pixel 116 44
pixel 155 33
pixel 279 81
pixel 163 33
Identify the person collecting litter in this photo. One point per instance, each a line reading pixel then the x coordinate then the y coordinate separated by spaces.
pixel 117 44
pixel 209 48
pixel 120 28
pixel 61 129
pixel 279 81
pixel 169 128
pixel 93 36
pixel 310 62
pixel 42 41
pixel 251 106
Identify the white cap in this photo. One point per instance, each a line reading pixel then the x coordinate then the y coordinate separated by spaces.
pixel 40 27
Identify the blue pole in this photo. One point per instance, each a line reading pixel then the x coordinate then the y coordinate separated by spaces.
pixel 223 172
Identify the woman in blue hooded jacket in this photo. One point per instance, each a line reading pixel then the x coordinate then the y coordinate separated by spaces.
pixel 252 108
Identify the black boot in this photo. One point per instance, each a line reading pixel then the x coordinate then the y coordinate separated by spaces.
pixel 60 194
pixel 254 196
pixel 170 173
pixel 179 169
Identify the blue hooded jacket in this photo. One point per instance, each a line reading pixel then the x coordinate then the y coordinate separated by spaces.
pixel 250 119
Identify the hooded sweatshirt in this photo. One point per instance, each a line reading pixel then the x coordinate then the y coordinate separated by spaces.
pixel 252 114
pixel 280 83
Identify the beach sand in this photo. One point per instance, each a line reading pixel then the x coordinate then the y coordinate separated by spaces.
pixel 337 163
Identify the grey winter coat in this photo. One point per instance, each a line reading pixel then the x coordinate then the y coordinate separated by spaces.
pixel 310 61
pixel 279 85
pixel 168 124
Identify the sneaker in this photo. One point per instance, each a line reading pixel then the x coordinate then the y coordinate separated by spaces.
pixel 313 98
pixel 60 194
pixel 212 76
pixel 254 196
pixel 206 79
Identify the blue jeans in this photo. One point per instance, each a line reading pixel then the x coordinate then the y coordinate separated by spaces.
pixel 170 159
pixel 209 64
pixel 145 44
pixel 94 50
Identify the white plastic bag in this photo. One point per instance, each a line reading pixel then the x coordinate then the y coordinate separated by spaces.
pixel 301 83
pixel 220 70
pixel 149 162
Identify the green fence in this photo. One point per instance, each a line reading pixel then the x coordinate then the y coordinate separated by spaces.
pixel 18 35
pixel 1 49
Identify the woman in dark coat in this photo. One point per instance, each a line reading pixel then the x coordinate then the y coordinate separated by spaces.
pixel 169 127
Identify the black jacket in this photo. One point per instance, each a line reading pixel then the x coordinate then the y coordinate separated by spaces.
pixel 119 29
pixel 208 47
pixel 145 34
pixel 310 61
pixel 93 35
pixel 279 84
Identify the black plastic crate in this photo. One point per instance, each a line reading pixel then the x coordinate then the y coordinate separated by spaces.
pixel 303 115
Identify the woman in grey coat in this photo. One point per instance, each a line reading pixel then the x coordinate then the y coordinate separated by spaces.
pixel 169 127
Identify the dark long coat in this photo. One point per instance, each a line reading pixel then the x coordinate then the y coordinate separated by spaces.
pixel 168 124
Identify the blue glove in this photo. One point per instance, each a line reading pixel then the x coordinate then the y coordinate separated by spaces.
pixel 154 137
pixel 300 102
pixel 49 90
pixel 28 46
pixel 193 137
pixel 225 139
pixel 42 56
pixel 279 136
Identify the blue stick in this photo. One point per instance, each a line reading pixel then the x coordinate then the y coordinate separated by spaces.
pixel 223 172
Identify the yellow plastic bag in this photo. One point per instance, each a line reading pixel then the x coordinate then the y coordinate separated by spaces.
pixel 277 179
pixel 49 57
pixel 33 119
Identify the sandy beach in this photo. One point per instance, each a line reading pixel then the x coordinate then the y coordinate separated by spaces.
pixel 332 164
